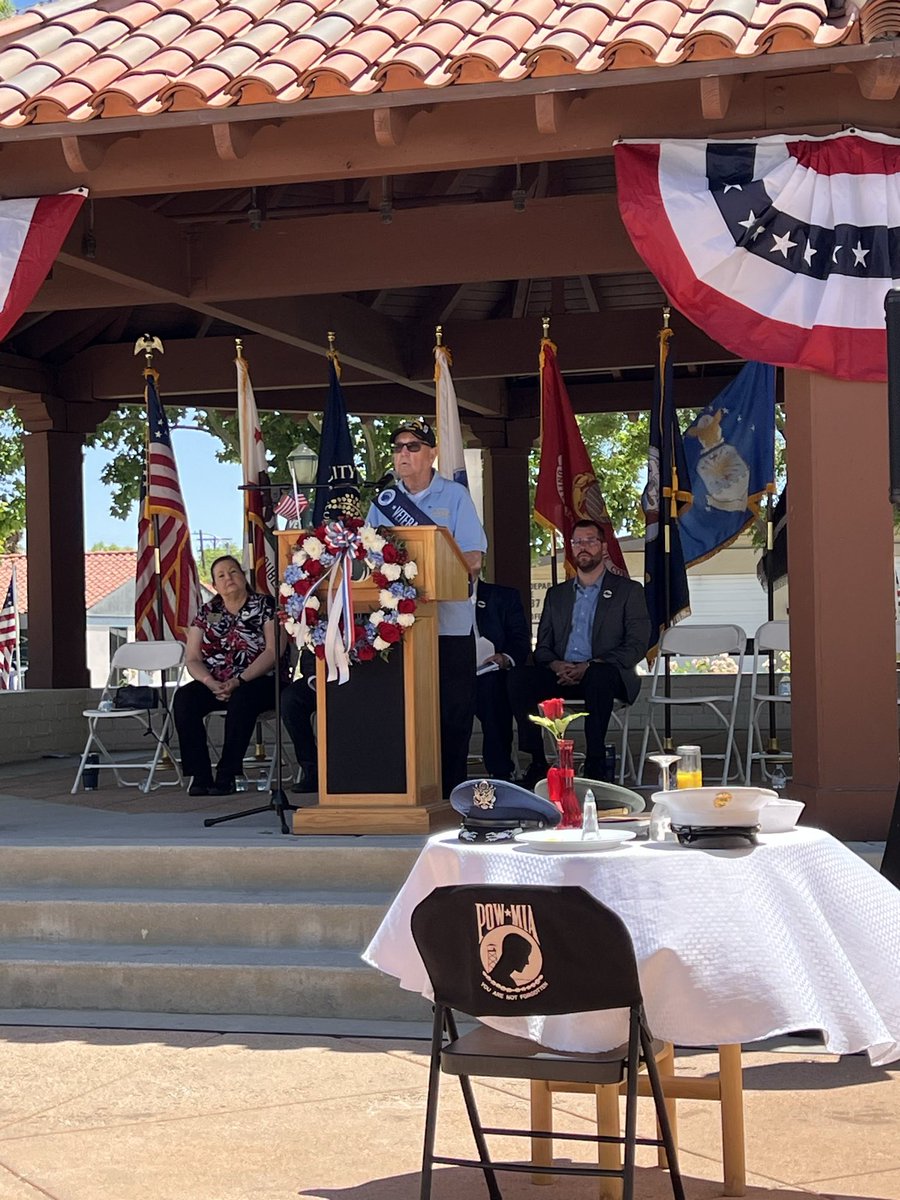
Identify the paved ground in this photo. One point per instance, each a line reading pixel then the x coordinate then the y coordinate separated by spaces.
pixel 119 1115
pixel 113 1114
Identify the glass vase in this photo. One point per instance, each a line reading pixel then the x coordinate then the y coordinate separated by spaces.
pixel 571 809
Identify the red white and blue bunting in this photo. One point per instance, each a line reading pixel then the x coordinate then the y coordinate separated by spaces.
pixel 780 248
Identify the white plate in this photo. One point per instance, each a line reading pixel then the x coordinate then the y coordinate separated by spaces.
pixel 568 841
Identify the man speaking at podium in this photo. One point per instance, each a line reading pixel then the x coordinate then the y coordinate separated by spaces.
pixel 430 499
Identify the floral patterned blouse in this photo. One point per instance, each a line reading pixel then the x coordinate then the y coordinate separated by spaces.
pixel 232 641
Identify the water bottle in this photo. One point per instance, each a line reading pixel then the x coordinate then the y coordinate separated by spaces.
pixel 779 779
pixel 784 686
pixel 610 757
pixel 90 776
pixel 262 781
pixel 589 826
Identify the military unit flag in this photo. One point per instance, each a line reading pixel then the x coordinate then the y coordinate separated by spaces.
pixel 567 489
pixel 730 454
pixel 666 497
pixel 337 480
pixel 451 458
pixel 260 556
pixel 166 576
pixel 9 638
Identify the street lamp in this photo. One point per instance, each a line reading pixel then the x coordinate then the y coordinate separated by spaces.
pixel 303 465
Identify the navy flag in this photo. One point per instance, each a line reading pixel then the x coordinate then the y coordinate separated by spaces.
pixel 666 497
pixel 730 452
pixel 337 480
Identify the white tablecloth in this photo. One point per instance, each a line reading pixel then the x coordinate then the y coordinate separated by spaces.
pixel 732 945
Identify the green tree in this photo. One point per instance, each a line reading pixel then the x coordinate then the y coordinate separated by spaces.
pixel 12 482
pixel 7 9
pixel 109 546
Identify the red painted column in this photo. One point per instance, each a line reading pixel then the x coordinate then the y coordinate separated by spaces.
pixel 841 578
pixel 54 510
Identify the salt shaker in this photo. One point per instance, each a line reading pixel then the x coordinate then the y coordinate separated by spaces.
pixel 589 826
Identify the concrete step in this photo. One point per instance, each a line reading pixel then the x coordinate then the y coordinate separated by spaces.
pixel 199 917
pixel 371 864
pixel 330 984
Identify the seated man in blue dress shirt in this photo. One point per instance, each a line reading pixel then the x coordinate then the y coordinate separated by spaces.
pixel 593 632
pixel 443 502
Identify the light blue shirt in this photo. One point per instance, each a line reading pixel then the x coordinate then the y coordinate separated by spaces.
pixel 448 504
pixel 579 647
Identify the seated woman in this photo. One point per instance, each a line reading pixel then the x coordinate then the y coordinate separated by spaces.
pixel 231 656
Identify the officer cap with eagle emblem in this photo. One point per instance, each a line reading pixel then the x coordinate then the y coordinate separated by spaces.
pixel 494 810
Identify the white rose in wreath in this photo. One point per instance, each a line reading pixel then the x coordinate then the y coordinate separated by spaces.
pixel 377 617
pixel 392 571
pixel 406 619
pixel 380 644
pixel 410 571
pixel 286 590
pixel 312 547
pixel 386 599
pixel 311 602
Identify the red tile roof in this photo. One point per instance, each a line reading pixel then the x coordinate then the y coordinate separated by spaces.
pixel 104 570
pixel 74 60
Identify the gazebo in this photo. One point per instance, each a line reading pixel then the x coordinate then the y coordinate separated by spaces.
pixel 272 170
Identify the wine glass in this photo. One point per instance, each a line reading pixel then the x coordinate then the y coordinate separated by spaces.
pixel 665 762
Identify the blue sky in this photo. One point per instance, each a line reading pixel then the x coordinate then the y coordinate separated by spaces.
pixel 209 488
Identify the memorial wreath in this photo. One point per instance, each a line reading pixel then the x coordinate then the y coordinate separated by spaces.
pixel 322 561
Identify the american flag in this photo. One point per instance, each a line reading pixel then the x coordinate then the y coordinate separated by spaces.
pixel 9 638
pixel 291 509
pixel 260 557
pixel 162 514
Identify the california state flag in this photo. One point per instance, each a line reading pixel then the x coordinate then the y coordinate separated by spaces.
pixel 260 558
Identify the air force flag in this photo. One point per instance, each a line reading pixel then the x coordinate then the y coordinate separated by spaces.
pixel 730 453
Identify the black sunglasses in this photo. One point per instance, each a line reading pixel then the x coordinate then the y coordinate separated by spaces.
pixel 412 447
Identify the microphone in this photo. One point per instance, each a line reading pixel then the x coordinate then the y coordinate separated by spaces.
pixel 380 484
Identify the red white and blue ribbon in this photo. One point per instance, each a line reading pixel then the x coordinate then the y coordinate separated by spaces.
pixel 339 633
pixel 780 248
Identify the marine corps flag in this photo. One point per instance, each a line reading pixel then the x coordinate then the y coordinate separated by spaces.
pixel 665 497
pixel 260 558
pixel 337 480
pixel 567 490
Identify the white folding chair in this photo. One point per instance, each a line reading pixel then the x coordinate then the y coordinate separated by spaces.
pixel 771 636
pixel 688 642
pixel 147 657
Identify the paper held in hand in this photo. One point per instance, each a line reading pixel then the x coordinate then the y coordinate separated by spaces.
pixel 484 648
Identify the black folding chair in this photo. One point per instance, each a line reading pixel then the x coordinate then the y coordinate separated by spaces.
pixel 532 951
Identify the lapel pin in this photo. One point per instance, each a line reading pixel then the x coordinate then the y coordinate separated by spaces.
pixel 607 593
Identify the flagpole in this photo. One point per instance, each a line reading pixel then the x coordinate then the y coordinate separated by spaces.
pixel 15 597
pixel 150 344
pixel 554 549
pixel 666 512
pixel 770 614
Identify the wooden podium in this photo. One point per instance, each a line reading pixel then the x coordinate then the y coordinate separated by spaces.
pixel 379 740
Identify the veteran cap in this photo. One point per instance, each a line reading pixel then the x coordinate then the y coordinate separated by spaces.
pixel 419 429
pixel 494 810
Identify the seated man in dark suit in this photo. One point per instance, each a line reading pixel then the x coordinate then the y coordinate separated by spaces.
pixel 593 632
pixel 298 709
pixel 499 617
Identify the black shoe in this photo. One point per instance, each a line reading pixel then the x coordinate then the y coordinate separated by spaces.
pixel 309 781
pixel 593 769
pixel 222 787
pixel 535 773
pixel 199 789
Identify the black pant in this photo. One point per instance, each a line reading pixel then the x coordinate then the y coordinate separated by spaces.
pixel 298 706
pixel 456 683
pixel 601 685
pixel 494 711
pixel 193 702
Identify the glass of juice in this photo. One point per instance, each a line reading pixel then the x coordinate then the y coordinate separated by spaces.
pixel 690 769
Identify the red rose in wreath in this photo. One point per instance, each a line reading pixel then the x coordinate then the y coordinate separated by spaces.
pixel 406 606
pixel 365 652
pixel 313 568
pixel 390 553
pixel 389 632
pixel 380 581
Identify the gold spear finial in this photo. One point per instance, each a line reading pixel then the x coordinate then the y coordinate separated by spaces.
pixel 332 337
pixel 667 312
pixel 148 344
pixel 239 347
pixel 545 322
pixel 438 335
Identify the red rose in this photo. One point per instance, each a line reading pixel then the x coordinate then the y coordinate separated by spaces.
pixel 406 606
pixel 301 587
pixel 313 568
pixel 358 633
pixel 319 651
pixel 312 616
pixel 388 632
pixel 354 522
pixel 390 553
pixel 380 581
pixel 365 652
pixel 552 709
pixel 320 533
